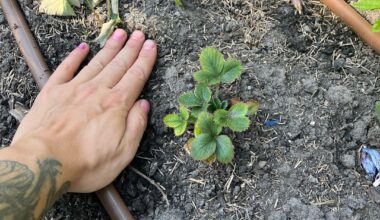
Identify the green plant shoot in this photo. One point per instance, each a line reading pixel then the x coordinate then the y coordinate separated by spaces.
pixel 207 114
pixel 365 5
pixel 377 109
pixel 65 8
pixel 179 3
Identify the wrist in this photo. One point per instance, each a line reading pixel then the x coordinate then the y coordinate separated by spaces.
pixel 33 151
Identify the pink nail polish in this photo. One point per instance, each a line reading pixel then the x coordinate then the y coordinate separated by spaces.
pixel 144 104
pixel 149 44
pixel 82 46
pixel 118 34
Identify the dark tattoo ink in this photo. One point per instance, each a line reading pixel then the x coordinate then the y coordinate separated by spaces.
pixel 21 188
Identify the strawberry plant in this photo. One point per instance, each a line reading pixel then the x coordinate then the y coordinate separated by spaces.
pixel 207 114
pixel 65 8
pixel 366 5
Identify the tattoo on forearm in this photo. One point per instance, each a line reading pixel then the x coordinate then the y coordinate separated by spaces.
pixel 22 190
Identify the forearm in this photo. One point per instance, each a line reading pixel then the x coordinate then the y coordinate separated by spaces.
pixel 31 180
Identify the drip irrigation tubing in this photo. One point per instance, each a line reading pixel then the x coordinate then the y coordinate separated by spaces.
pixel 355 21
pixel 108 196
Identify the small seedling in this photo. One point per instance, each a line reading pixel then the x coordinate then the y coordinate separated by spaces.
pixel 365 5
pixel 179 3
pixel 65 8
pixel 207 114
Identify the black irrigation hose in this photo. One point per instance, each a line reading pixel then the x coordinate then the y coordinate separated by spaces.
pixel 108 196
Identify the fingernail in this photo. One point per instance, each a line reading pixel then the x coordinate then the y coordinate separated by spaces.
pixel 82 46
pixel 118 34
pixel 149 44
pixel 137 35
pixel 144 104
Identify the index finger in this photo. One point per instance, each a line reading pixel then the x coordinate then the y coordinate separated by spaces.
pixel 134 80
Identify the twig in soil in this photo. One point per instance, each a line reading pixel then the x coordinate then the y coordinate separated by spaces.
pixel 157 185
pixel 197 181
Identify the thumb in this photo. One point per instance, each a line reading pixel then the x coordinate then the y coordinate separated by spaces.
pixel 136 124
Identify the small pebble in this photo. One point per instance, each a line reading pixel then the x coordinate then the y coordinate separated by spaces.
pixel 262 164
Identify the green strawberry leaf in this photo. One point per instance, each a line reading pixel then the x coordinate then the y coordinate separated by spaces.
pixel 224 149
pixel 239 109
pixel 206 125
pixel 180 129
pixel 238 124
pixel 173 120
pixel 224 104
pixel 184 113
pixel 237 119
pixel 377 110
pixel 196 111
pixel 367 4
pixel 221 117
pixel 56 7
pixel 189 99
pixel 177 122
pixel 212 61
pixel 203 76
pixel 203 92
pixel 202 147
pixel 376 26
pixel 231 71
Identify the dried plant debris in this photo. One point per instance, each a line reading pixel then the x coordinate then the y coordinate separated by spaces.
pixel 297 5
pixel 65 8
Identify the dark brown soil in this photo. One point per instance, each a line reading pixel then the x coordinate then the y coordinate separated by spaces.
pixel 309 71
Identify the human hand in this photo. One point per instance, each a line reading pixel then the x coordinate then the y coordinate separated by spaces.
pixel 91 123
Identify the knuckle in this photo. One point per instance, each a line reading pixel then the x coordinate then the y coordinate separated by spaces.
pixel 66 65
pixel 47 91
pixel 96 64
pixel 120 64
pixel 139 73
pixel 85 90
pixel 114 99
pixel 141 119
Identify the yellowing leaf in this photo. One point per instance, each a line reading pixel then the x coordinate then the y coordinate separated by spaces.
pixel 105 33
pixel 57 7
pixel 211 159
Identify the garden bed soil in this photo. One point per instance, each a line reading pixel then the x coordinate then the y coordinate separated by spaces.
pixel 309 72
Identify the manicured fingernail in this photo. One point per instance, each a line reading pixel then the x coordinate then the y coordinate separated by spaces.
pixel 149 44
pixel 118 34
pixel 144 104
pixel 137 35
pixel 82 46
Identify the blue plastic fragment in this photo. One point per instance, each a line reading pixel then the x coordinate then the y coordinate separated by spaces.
pixel 370 160
pixel 270 123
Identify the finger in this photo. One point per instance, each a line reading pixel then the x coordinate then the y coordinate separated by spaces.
pixel 133 81
pixel 69 65
pixel 105 55
pixel 136 124
pixel 116 69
